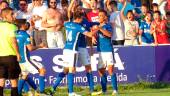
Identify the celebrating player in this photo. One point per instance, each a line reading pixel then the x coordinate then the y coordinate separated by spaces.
pixel 70 51
pixel 105 49
pixel 27 64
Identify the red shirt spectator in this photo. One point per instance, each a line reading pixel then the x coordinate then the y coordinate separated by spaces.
pixel 160 30
pixel 93 17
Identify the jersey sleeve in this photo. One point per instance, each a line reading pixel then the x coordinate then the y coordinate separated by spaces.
pixel 108 27
pixel 82 29
pixel 27 39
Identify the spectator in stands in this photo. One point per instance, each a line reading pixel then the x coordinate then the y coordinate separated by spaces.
pixel 86 4
pixel 23 13
pixel 146 37
pixel 118 36
pixel 9 55
pixel 168 6
pixel 144 10
pixel 37 8
pixel 52 20
pixel 64 9
pixel 148 2
pixel 3 4
pixel 155 7
pixel 93 16
pixel 162 5
pixel 109 6
pixel 158 29
pixel 131 27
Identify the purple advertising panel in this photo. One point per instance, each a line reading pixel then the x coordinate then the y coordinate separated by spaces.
pixel 162 59
pixel 133 63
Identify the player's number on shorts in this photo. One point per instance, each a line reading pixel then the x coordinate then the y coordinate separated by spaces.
pixel 69 38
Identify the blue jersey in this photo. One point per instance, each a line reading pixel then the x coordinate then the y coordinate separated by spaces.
pixel 73 31
pixel 23 40
pixel 104 43
pixel 146 35
pixel 82 39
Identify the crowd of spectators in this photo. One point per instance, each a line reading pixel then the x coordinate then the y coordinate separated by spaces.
pixel 135 22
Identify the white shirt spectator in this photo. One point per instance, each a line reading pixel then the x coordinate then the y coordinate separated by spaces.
pixel 39 10
pixel 162 4
pixel 130 26
pixel 23 15
pixel 118 29
pixel 59 6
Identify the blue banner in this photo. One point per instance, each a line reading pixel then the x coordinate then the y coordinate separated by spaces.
pixel 133 64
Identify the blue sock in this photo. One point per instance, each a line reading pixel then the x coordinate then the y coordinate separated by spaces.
pixel 41 83
pixel 70 79
pixel 31 82
pixel 104 82
pixel 21 83
pixel 60 76
pixel 90 81
pixel 114 82
pixel 26 87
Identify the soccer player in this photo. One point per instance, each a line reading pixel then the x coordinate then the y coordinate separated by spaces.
pixel 27 64
pixel 84 57
pixel 9 52
pixel 70 52
pixel 105 49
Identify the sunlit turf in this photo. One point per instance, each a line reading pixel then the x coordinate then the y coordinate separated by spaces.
pixel 136 89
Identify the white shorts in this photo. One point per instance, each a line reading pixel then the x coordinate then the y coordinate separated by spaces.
pixel 70 58
pixel 55 39
pixel 31 66
pixel 83 57
pixel 105 59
